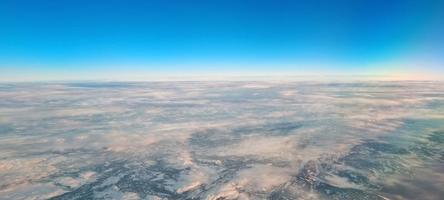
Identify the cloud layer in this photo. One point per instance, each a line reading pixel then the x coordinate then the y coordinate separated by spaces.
pixel 220 140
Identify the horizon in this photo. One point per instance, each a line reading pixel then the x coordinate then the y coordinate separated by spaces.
pixel 239 78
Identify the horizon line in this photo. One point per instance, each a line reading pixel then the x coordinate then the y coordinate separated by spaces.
pixel 231 77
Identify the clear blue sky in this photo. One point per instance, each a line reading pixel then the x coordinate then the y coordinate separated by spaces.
pixel 87 39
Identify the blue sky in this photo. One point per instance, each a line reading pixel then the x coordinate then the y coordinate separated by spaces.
pixel 104 39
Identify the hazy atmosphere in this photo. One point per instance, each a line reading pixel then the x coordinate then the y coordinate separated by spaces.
pixel 221 100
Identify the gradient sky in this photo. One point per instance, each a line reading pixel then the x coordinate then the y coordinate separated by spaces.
pixel 78 39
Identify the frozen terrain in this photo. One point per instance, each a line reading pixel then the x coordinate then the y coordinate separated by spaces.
pixel 222 140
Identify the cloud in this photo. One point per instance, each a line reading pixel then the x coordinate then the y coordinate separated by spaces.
pixel 237 140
